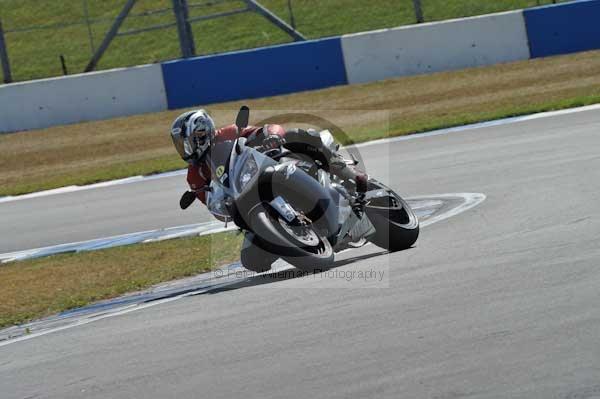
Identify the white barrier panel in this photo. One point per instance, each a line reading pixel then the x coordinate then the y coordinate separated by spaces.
pixel 435 47
pixel 78 98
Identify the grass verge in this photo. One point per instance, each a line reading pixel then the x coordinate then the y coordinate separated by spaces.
pixel 40 287
pixel 104 150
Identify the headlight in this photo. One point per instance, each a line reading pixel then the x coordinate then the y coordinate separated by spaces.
pixel 216 201
pixel 249 169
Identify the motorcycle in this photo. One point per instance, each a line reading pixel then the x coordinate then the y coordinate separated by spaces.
pixel 290 207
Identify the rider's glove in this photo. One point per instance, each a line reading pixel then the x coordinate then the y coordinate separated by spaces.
pixel 272 142
pixel 362 182
pixel 359 205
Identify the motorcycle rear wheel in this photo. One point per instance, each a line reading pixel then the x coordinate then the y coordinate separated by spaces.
pixel 396 225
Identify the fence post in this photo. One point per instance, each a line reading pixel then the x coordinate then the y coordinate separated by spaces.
pixel 110 35
pixel 291 11
pixel 184 29
pixel 274 19
pixel 86 12
pixel 188 27
pixel 4 57
pixel 418 11
pixel 63 64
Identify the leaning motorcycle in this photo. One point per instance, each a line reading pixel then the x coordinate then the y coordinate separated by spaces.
pixel 292 208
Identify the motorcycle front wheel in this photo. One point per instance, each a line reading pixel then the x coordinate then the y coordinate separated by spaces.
pixel 300 245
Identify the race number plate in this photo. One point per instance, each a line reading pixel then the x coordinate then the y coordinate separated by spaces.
pixel 283 208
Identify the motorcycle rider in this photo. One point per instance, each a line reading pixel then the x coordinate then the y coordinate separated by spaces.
pixel 194 132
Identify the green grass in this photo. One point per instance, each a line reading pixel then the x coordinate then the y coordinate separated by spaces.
pixel 35 54
pixel 41 287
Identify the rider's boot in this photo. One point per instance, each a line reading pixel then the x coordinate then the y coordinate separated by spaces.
pixel 361 189
pixel 353 177
pixel 253 257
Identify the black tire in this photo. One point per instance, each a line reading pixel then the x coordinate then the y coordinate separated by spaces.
pixel 280 242
pixel 396 225
pixel 253 257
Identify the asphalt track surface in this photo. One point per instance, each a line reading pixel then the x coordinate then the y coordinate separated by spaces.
pixel 500 301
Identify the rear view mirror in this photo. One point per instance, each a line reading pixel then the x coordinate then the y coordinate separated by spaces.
pixel 243 117
pixel 187 199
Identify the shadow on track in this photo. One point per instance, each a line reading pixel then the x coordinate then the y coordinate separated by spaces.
pixel 289 274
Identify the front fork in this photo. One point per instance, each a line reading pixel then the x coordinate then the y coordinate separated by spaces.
pixel 284 209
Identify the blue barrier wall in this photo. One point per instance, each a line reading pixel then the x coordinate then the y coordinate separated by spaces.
pixel 255 73
pixel 563 28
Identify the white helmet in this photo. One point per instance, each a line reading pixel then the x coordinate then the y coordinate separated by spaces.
pixel 192 133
